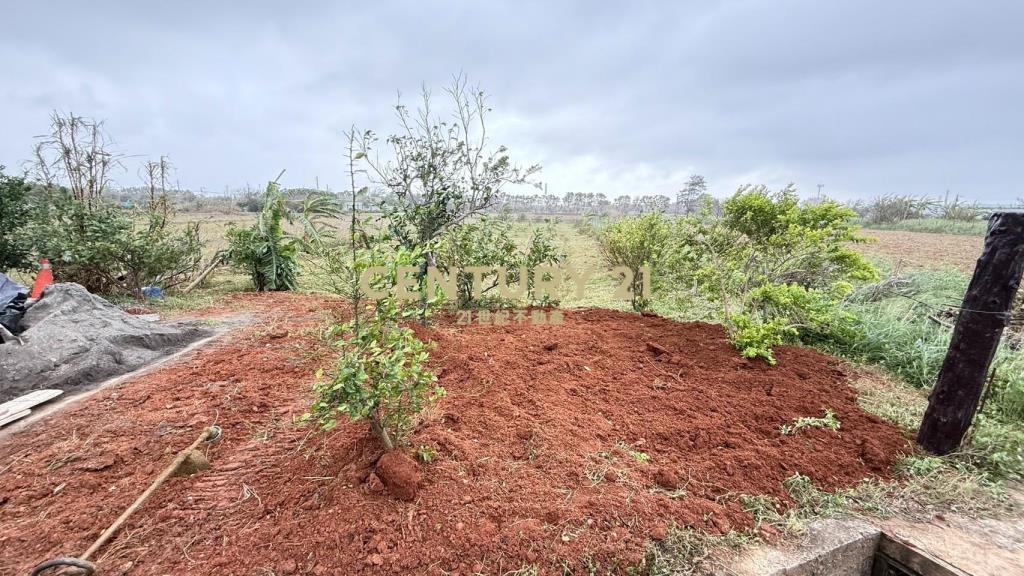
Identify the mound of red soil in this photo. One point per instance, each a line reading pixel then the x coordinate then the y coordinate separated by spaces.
pixel 572 443
pixel 400 475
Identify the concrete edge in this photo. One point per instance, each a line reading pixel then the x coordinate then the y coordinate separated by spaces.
pixel 838 547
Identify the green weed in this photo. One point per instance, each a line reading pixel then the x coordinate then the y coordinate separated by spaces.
pixel 829 421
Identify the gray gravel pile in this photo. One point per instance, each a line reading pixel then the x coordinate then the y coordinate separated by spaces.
pixel 74 340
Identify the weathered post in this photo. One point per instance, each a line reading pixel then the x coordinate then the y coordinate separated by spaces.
pixel 983 315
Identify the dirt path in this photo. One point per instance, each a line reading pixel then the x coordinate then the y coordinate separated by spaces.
pixel 575 443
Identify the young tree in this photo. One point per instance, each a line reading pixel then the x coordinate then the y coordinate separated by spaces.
pixel 639 244
pixel 155 174
pixel 440 171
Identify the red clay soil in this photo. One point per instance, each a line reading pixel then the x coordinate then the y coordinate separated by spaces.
pixel 575 443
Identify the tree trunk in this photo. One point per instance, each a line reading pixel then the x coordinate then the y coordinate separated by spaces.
pixel 214 262
pixel 983 315
pixel 378 428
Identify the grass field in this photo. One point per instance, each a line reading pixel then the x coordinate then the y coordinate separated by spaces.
pixel 936 226
pixel 581 252
pixel 897 249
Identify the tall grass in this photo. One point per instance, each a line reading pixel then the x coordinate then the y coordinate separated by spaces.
pixel 897 333
pixel 934 225
pixel 895 208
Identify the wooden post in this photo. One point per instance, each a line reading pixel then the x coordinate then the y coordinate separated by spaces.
pixel 983 315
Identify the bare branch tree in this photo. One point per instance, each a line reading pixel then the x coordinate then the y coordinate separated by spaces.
pixel 154 174
pixel 76 154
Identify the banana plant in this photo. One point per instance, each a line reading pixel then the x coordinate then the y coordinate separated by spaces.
pixel 267 251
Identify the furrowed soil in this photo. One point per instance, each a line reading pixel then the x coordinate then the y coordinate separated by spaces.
pixel 924 249
pixel 577 443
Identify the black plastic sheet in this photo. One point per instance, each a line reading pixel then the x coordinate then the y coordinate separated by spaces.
pixel 12 304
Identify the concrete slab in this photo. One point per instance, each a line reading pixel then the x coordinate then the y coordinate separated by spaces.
pixel 944 545
pixel 976 546
pixel 830 547
pixel 896 557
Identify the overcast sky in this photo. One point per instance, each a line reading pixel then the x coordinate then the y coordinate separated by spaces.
pixel 865 97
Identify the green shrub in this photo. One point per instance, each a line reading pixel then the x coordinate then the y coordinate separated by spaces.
pixel 892 208
pixel 755 338
pixel 590 223
pixel 638 243
pixel 106 249
pixel 813 314
pixel 15 212
pixel 382 374
pixel 488 243
pixel 958 210
pixel 778 270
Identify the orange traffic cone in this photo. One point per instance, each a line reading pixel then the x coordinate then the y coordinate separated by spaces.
pixel 43 279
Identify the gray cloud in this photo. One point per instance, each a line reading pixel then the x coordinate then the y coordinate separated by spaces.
pixel 866 97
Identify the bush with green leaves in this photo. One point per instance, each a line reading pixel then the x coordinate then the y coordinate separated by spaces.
pixel 894 208
pixel 15 213
pixel 756 339
pixel 382 374
pixel 269 253
pixel 108 249
pixel 778 270
pixel 90 240
pixel 488 243
pixel 638 243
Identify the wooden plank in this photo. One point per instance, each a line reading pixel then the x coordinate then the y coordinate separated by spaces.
pixel 25 401
pixel 984 313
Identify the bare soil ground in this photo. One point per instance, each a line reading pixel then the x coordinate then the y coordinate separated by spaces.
pixel 924 249
pixel 576 443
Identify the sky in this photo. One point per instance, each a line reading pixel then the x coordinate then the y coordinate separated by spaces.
pixel 865 97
